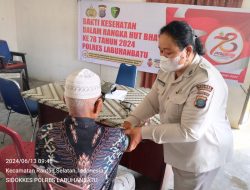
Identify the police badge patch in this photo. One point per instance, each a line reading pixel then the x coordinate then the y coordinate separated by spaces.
pixel 200 102
pixel 115 11
pixel 102 10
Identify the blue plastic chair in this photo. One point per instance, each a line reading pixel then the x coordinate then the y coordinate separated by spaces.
pixel 14 102
pixel 126 75
pixel 8 65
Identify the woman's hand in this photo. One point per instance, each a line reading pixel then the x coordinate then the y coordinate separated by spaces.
pixel 134 134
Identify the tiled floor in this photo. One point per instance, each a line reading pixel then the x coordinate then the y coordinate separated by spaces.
pixel 234 176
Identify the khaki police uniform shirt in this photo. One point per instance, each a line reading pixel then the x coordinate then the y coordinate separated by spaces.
pixel 194 127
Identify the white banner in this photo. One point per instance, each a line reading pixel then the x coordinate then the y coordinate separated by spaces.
pixel 111 33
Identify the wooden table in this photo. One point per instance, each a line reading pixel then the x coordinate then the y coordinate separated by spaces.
pixel 146 159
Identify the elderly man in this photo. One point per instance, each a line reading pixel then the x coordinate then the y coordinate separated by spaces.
pixel 79 149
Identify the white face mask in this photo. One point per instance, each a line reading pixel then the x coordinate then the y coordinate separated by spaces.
pixel 169 65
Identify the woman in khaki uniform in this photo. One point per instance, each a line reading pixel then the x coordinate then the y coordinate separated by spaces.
pixel 190 96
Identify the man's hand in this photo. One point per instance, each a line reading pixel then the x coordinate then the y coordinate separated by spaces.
pixel 135 135
pixel 127 125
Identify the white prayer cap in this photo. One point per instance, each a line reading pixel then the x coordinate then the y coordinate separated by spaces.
pixel 83 84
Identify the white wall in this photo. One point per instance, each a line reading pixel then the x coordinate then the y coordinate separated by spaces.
pixel 8 23
pixel 246 4
pixel 246 85
pixel 236 100
pixel 237 96
pixel 47 31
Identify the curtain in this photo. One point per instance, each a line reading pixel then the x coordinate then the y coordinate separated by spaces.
pixel 221 3
pixel 147 79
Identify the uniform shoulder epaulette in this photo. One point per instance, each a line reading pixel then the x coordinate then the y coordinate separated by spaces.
pixel 201 73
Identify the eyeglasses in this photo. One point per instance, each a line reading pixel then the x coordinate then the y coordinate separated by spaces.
pixel 126 106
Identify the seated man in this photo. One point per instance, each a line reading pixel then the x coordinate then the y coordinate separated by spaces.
pixel 79 149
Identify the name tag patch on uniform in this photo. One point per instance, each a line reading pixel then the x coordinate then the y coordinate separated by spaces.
pixel 200 101
pixel 204 87
pixel 203 93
